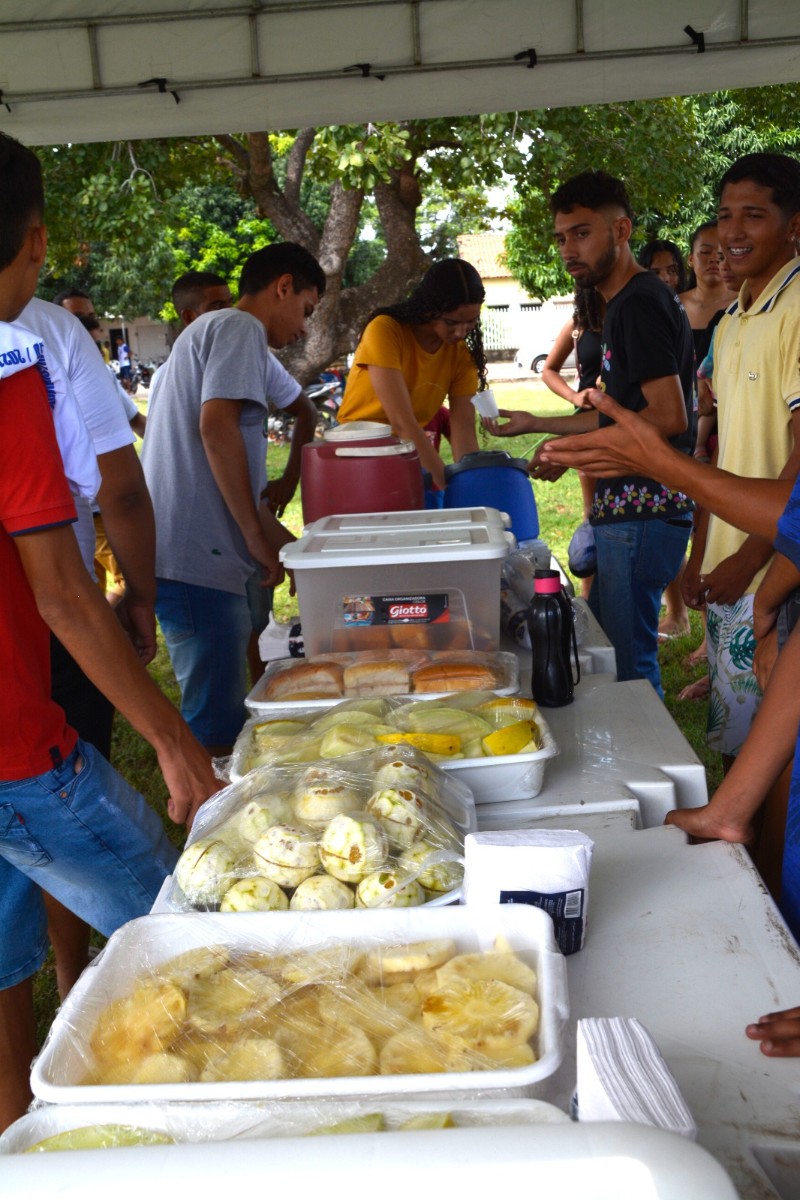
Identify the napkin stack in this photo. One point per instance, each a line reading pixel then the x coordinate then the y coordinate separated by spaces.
pixel 548 868
pixel 622 1077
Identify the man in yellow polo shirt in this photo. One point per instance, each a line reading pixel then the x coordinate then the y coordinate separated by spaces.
pixel 757 385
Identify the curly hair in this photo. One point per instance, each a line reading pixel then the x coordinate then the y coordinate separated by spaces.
pixel 444 287
pixel 587 309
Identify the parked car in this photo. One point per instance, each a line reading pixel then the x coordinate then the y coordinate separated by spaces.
pixel 533 357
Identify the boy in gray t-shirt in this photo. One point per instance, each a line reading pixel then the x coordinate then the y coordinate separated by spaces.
pixel 204 460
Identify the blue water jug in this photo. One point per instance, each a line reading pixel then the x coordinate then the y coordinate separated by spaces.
pixel 493 478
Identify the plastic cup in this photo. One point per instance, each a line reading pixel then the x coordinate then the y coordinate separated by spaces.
pixel 486 404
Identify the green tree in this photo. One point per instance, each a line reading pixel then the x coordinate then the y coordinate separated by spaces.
pixel 671 154
pixel 108 208
pixel 376 203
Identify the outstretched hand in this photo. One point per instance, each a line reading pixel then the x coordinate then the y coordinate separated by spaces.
pixel 516 423
pixel 630 446
pixel 544 470
pixel 778 1033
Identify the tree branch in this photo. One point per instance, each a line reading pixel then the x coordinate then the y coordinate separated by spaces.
pixel 234 148
pixel 289 219
pixel 296 164
pixel 339 231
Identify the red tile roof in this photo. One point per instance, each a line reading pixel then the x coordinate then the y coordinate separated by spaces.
pixel 483 251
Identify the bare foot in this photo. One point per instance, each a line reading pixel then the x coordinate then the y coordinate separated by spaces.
pixel 698 655
pixel 698 690
pixel 668 627
pixel 705 825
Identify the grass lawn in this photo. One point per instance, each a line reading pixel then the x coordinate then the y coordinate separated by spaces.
pixel 559 508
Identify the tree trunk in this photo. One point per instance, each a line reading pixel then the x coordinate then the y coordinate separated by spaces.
pixel 336 326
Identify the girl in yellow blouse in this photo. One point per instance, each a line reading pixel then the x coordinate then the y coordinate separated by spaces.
pixel 414 354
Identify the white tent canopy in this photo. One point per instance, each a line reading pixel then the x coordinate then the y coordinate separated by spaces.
pixel 93 70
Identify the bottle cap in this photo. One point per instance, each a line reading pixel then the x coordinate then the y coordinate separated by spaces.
pixel 546 582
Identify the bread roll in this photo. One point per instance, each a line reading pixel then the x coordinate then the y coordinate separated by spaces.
pixel 305 681
pixel 412 637
pixel 362 637
pixel 453 677
pixel 376 679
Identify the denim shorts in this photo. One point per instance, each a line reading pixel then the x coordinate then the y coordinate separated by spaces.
pixel 85 836
pixel 206 631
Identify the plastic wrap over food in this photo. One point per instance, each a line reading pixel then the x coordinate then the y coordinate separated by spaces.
pixel 518 573
pixel 100 1127
pixel 178 1004
pixel 514 618
pixel 380 829
pixel 471 725
pixel 326 678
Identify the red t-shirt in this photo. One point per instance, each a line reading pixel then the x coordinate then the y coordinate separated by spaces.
pixel 34 495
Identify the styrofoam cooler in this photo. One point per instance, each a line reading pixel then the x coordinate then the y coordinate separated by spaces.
pixel 135 949
pixel 432 588
pixel 574 1161
pixel 245 1121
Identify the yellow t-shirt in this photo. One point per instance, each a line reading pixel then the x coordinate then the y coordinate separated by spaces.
pixel 449 371
pixel 757 385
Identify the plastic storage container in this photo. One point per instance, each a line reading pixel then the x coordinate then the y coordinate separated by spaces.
pixel 495 780
pixel 135 949
pixel 493 477
pixel 360 466
pixel 451 518
pixel 259 699
pixel 434 589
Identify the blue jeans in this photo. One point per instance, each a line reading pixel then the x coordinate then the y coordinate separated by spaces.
pixel 82 833
pixel 207 631
pixel 635 562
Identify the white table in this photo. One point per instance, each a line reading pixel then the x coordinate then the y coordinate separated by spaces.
pixel 617 743
pixel 595 652
pixel 685 939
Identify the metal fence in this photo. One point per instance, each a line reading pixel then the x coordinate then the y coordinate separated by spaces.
pixel 500 329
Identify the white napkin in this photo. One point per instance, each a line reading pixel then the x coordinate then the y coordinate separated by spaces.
pixel 548 868
pixel 623 1077
pixel 21 349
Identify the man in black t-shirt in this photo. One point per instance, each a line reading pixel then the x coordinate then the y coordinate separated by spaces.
pixel 641 527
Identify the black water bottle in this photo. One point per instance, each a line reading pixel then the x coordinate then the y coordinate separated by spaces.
pixel 553 641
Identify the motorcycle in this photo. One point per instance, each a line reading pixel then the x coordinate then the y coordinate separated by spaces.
pixel 325 393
